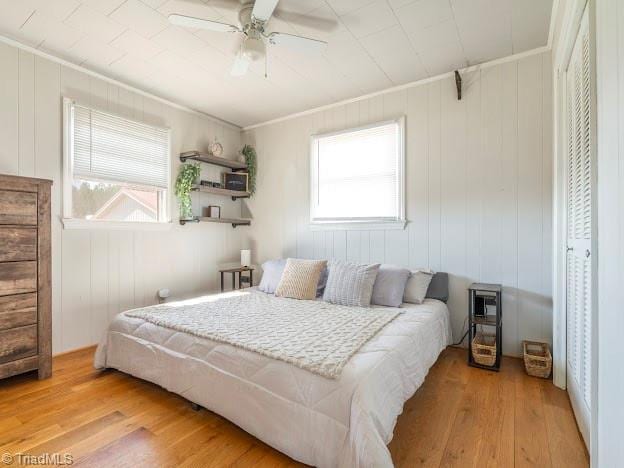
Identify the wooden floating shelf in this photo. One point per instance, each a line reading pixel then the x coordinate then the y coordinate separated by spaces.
pixel 210 159
pixel 233 221
pixel 220 191
pixel 223 162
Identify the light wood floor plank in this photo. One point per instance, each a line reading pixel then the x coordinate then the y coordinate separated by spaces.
pixel 496 444
pixel 564 439
pixel 460 416
pixel 532 448
pixel 423 429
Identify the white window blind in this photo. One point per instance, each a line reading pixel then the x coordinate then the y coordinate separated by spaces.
pixel 109 148
pixel 357 174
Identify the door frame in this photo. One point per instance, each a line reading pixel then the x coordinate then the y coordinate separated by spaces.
pixel 570 26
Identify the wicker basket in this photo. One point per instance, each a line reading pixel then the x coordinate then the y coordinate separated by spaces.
pixel 484 349
pixel 537 359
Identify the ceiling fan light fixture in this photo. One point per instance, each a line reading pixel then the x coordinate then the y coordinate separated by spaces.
pixel 254 16
pixel 240 66
pixel 253 48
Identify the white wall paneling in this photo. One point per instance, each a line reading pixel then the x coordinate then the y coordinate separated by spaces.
pixel 478 192
pixel 478 182
pixel 96 274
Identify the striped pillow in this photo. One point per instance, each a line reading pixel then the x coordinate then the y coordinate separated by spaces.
pixel 350 284
pixel 300 278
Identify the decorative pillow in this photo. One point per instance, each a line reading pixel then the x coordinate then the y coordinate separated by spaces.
pixel 350 284
pixel 300 278
pixel 271 275
pixel 389 286
pixel 438 288
pixel 320 288
pixel 416 287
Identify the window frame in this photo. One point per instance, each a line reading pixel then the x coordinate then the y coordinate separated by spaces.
pixel 372 223
pixel 69 222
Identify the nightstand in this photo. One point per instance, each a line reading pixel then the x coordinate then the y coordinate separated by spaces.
pixel 241 279
pixel 485 323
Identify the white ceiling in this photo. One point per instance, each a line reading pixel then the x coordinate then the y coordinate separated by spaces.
pixel 373 45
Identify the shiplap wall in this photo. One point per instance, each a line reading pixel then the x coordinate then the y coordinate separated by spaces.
pixel 608 411
pixel 479 183
pixel 96 274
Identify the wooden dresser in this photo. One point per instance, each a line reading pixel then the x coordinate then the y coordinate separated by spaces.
pixel 25 276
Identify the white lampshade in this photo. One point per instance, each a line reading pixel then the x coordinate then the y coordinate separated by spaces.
pixel 245 258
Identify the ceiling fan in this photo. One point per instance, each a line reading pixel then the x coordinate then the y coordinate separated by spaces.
pixel 253 19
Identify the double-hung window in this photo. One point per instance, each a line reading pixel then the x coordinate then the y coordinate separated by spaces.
pixel 116 170
pixel 357 177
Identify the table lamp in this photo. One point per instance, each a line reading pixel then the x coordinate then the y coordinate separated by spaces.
pixel 245 258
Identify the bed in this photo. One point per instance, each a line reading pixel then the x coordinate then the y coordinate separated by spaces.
pixel 345 421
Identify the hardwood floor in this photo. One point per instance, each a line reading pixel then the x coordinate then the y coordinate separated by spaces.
pixel 461 416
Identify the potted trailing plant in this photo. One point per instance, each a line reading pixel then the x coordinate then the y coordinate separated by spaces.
pixel 249 153
pixel 187 176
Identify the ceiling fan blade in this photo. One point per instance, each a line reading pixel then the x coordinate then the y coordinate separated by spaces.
pixel 298 43
pixel 263 9
pixel 308 21
pixel 192 22
pixel 241 65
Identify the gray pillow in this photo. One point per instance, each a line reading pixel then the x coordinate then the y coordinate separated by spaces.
pixel 416 287
pixel 389 286
pixel 320 288
pixel 271 275
pixel 439 287
pixel 350 284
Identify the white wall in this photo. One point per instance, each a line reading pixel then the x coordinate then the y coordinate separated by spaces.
pixel 96 274
pixel 478 185
pixel 610 107
pixel 479 189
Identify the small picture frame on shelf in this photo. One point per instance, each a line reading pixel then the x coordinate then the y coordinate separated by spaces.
pixel 236 181
pixel 212 211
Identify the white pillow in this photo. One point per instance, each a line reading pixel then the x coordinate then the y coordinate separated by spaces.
pixel 417 285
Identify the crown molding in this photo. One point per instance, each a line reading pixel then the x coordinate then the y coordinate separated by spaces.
pixel 473 68
pixel 555 7
pixel 121 84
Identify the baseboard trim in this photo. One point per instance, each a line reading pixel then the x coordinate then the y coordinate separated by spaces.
pixel 75 350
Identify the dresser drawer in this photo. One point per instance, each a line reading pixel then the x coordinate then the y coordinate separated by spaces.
pixel 18 277
pixel 18 207
pixel 18 343
pixel 18 243
pixel 18 310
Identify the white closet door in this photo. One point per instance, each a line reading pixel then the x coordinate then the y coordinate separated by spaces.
pixel 579 228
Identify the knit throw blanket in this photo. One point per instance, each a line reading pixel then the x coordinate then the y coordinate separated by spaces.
pixel 312 335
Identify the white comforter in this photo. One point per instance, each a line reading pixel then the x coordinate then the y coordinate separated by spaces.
pixel 345 422
pixel 314 335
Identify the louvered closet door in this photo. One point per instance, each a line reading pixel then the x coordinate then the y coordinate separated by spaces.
pixel 579 227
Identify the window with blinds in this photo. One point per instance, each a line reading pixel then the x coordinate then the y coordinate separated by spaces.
pixel 357 175
pixel 117 169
